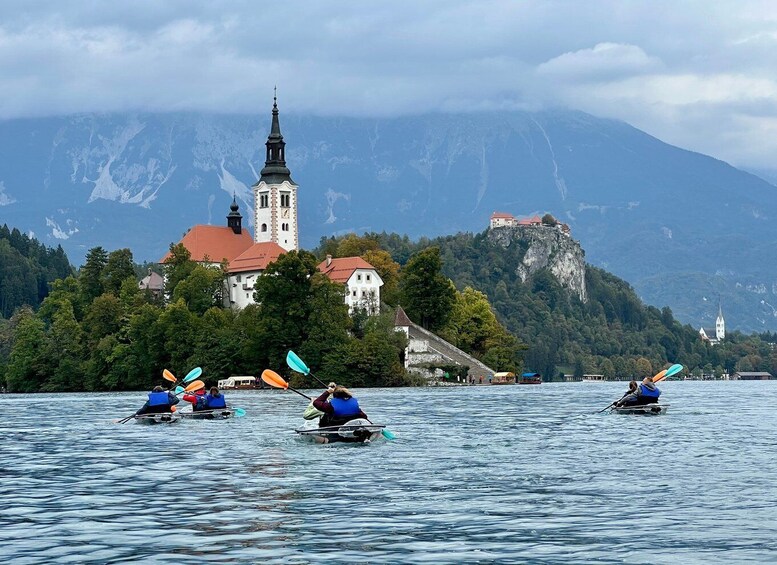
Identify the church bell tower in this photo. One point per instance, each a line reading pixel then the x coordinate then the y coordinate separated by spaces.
pixel 275 195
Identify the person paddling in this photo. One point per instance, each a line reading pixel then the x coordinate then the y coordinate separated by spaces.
pixel 340 408
pixel 160 401
pixel 215 400
pixel 197 399
pixel 646 393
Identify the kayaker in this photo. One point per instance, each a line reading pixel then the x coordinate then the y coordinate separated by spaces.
pixel 159 401
pixel 197 400
pixel 215 400
pixel 342 407
pixel 646 393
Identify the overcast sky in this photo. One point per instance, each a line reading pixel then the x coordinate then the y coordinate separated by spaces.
pixel 701 75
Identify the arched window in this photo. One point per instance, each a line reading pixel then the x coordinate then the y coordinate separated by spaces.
pixel 264 227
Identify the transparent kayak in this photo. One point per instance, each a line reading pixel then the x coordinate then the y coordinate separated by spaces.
pixel 644 409
pixel 166 418
pixel 353 431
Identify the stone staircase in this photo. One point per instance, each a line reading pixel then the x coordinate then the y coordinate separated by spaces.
pixel 426 347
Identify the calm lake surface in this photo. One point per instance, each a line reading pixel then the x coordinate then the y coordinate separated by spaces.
pixel 507 474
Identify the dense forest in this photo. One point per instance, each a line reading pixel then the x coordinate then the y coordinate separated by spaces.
pixel 26 269
pixel 96 330
pixel 613 333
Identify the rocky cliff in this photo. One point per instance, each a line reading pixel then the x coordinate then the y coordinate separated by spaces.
pixel 546 248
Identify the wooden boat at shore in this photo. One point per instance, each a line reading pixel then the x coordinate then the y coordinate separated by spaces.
pixel 503 379
pixel 530 379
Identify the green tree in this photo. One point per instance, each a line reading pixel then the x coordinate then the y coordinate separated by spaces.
pixel 90 277
pixel 64 352
pixel 23 373
pixel 179 265
pixel 284 292
pixel 202 289
pixel 427 296
pixel 118 267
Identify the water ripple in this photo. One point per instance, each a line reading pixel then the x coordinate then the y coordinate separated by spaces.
pixel 477 475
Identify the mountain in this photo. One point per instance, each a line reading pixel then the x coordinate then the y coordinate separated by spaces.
pixel 686 230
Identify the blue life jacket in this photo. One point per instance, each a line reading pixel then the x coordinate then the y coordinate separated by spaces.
pixel 158 399
pixel 216 401
pixel 342 407
pixel 645 391
pixel 201 404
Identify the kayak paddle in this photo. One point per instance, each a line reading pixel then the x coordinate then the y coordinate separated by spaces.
pixel 169 376
pixel 193 374
pixel 239 412
pixel 670 372
pixel 297 364
pixel 275 380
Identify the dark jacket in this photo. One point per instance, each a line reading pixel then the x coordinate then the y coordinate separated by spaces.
pixel 329 418
pixel 172 400
pixel 645 394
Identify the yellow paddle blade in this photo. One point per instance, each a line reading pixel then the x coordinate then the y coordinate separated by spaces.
pixel 195 385
pixel 274 379
pixel 168 376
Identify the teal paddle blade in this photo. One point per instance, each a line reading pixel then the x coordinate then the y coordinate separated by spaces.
pixel 296 364
pixel 179 389
pixel 388 434
pixel 673 370
pixel 193 374
pixel 239 412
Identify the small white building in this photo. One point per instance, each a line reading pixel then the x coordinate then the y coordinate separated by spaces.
pixel 361 280
pixel 502 219
pixel 245 269
pixel 717 335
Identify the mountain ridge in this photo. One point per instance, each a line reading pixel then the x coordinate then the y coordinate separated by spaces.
pixel 655 215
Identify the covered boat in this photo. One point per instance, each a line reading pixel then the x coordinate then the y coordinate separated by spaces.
pixel 642 409
pixel 530 379
pixel 505 378
pixel 358 430
pixel 164 418
pixel 237 382
pixel 216 414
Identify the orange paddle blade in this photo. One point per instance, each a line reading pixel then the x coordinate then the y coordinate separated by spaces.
pixel 658 376
pixel 195 385
pixel 274 379
pixel 168 376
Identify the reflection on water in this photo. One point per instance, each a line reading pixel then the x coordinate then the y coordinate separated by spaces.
pixel 481 474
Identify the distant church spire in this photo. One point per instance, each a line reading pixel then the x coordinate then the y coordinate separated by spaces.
pixel 275 170
pixel 234 219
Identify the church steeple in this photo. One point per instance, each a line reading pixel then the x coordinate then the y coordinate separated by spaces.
pixel 234 219
pixel 275 170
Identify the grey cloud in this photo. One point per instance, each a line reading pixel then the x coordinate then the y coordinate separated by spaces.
pixel 654 64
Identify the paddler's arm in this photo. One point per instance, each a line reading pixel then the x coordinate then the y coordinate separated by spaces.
pixel 322 402
pixel 173 399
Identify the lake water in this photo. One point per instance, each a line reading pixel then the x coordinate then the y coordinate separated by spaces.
pixel 525 474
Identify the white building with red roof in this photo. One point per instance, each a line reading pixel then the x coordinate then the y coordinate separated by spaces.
pixel 246 268
pixel 502 219
pixel 361 281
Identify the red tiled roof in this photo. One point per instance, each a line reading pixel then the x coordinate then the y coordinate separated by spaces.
pixel 340 270
pixel 530 221
pixel 501 215
pixel 256 257
pixel 214 242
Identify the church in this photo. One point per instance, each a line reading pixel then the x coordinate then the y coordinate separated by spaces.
pixel 276 231
pixel 715 336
